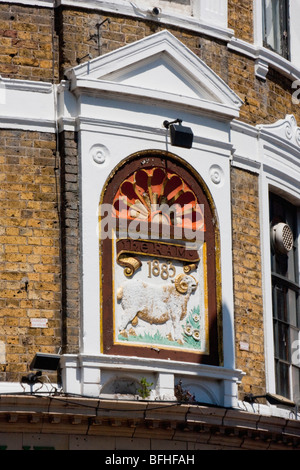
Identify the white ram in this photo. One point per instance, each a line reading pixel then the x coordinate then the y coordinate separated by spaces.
pixel 156 304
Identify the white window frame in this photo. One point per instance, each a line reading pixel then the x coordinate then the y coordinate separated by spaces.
pixel 275 38
pixel 294 32
pixel 293 350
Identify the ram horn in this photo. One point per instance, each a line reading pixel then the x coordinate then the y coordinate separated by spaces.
pixel 181 285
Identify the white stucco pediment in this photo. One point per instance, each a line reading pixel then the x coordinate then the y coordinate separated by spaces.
pixel 156 68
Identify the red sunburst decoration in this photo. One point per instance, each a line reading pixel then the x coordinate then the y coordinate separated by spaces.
pixel 156 195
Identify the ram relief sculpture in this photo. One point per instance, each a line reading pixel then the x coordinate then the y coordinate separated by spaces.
pixel 156 305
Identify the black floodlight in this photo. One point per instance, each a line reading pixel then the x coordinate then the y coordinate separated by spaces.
pixel 48 362
pixel 180 135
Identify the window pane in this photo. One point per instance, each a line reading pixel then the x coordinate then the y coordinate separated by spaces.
pixel 280 264
pixel 281 332
pixel 279 303
pixel 296 385
pixel 292 307
pixel 272 24
pixel 275 20
pixel 282 379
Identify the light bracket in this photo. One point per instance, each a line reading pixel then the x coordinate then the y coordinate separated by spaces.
pixel 49 362
pixel 181 136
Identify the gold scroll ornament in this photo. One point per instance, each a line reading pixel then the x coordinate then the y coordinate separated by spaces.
pixel 189 267
pixel 130 264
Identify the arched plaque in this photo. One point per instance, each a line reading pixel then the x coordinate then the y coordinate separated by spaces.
pixel 158 262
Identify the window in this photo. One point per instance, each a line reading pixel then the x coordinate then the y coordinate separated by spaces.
pixel 276 26
pixel 285 293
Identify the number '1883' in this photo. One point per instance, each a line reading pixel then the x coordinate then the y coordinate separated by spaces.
pixel 164 270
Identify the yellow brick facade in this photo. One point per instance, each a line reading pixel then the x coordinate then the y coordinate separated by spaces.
pixel 28 45
pixel 39 44
pixel 248 308
pixel 30 248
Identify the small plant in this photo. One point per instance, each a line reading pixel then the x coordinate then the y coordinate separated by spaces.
pixel 145 389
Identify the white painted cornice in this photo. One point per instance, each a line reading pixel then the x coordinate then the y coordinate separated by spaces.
pixel 27 105
pixel 26 85
pixel 35 3
pixel 129 8
pixel 264 59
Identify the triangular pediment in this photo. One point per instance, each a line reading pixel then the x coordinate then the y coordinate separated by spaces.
pixel 159 74
pixel 158 67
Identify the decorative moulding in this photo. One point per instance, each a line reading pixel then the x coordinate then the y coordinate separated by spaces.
pixel 91 375
pixel 261 69
pixel 271 149
pixel 25 85
pixel 37 110
pixel 284 129
pixel 158 68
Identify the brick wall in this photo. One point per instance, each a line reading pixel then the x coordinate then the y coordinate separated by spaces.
pixel 78 34
pixel 27 43
pixel 248 301
pixel 70 242
pixel 240 18
pixel 265 102
pixel 29 249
